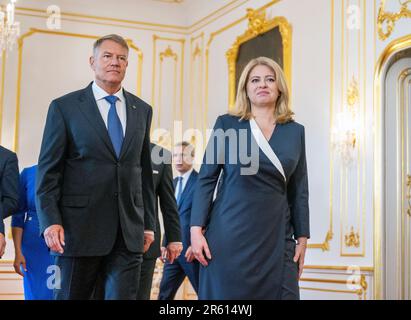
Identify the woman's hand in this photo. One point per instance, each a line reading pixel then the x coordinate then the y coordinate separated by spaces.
pixel 300 254
pixel 19 260
pixel 189 254
pixel 199 245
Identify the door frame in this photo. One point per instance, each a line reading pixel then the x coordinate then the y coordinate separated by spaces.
pixel 378 197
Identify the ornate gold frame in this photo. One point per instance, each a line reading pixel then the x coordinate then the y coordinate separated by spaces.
pixel 391 18
pixel 257 24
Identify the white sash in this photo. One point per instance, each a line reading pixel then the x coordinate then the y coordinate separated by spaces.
pixel 265 147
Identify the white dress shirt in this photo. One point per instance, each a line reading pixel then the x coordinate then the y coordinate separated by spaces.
pixel 104 106
pixel 185 177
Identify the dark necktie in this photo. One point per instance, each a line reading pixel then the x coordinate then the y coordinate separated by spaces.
pixel 179 189
pixel 114 127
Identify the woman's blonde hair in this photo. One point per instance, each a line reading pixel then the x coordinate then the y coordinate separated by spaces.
pixel 282 111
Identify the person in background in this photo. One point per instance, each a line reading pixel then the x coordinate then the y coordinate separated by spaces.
pixel 185 265
pixel 163 185
pixel 32 258
pixel 9 190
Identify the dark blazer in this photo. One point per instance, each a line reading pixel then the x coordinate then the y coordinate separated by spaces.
pixel 184 209
pixel 81 184
pixel 9 184
pixel 163 186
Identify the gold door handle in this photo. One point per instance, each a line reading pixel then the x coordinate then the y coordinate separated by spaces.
pixel 409 194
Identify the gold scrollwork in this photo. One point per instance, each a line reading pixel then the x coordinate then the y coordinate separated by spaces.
pixel 197 52
pixel 258 24
pixel 168 53
pixel 409 194
pixel 364 286
pixel 353 95
pixel 352 239
pixel 324 246
pixel 389 18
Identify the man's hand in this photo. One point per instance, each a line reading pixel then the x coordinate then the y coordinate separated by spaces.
pixel 2 244
pixel 20 261
pixel 54 237
pixel 173 251
pixel 163 257
pixel 148 240
pixel 300 254
pixel 189 255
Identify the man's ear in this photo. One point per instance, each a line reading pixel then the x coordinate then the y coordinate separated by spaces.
pixel 91 61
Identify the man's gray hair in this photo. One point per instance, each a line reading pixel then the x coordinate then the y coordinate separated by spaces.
pixel 113 37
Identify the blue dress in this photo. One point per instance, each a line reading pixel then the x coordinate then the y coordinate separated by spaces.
pixel 33 246
pixel 252 225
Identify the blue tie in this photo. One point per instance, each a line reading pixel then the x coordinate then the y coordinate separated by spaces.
pixel 179 189
pixel 115 129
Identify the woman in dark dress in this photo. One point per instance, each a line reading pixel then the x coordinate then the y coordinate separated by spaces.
pixel 251 240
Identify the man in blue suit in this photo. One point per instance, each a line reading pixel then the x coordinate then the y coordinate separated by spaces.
pixel 185 264
pixel 9 190
pixel 95 192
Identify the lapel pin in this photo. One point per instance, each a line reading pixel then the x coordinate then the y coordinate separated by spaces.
pixel 134 107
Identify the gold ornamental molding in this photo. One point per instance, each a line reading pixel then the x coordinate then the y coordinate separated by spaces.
pixel 139 25
pixel 353 94
pixel 33 31
pixel 352 239
pixel 324 246
pixel 168 53
pixel 388 19
pixel 196 87
pixel 360 284
pixel 338 268
pixel 257 25
pixel 212 37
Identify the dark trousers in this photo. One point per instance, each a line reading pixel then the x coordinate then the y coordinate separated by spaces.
pixel 146 279
pixel 173 277
pixel 119 273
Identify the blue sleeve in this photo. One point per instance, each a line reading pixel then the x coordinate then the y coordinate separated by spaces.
pixel 298 195
pixel 17 219
pixel 208 176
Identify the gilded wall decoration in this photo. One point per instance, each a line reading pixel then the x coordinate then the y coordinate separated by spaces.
pixel 386 20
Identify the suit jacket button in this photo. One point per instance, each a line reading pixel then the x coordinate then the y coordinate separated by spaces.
pixel 116 194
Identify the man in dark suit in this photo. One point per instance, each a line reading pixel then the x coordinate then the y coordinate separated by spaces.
pixel 95 193
pixel 185 265
pixel 163 185
pixel 9 190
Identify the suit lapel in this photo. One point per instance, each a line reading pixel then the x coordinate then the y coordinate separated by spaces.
pixel 132 119
pixel 187 188
pixel 89 108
